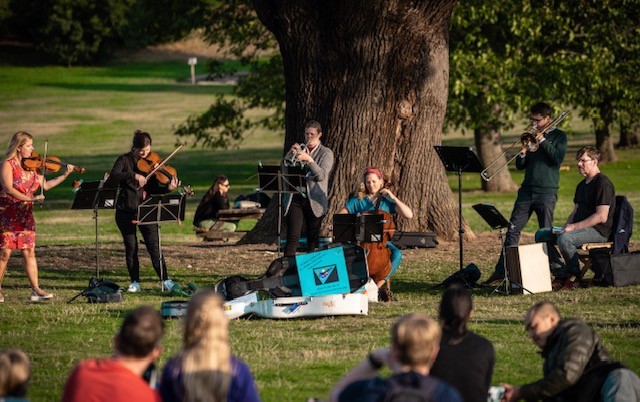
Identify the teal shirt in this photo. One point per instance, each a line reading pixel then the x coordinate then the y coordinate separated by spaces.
pixel 355 205
pixel 542 168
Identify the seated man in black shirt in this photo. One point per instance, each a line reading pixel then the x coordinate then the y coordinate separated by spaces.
pixel 591 220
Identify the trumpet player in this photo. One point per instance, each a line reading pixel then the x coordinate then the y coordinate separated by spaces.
pixel 310 208
pixel 539 190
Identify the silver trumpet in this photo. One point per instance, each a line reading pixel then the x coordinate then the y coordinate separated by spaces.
pixel 530 141
pixel 291 158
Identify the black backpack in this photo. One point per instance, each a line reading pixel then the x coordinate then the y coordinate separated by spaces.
pixel 409 387
pixel 101 291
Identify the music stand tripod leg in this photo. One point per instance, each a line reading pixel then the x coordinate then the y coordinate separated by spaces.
pixel 505 280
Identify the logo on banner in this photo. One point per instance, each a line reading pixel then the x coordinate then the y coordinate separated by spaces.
pixel 324 275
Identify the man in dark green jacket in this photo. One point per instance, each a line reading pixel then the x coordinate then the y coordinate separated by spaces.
pixel 576 365
pixel 539 190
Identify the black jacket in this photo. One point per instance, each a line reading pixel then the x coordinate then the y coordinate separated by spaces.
pixel 572 350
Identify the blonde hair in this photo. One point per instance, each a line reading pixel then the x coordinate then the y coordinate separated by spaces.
pixel 17 140
pixel 15 373
pixel 415 336
pixel 206 357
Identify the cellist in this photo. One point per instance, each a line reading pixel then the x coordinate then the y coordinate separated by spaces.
pixel 372 195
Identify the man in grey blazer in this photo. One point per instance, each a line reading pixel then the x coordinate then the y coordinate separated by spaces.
pixel 311 209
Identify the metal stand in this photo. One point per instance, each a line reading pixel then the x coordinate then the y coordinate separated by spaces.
pixel 459 160
pixel 282 180
pixel 157 209
pixel 497 221
pixel 93 195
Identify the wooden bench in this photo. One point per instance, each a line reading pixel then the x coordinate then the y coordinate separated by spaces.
pixel 230 215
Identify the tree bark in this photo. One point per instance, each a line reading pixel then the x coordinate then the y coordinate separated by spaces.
pixel 375 75
pixel 489 146
pixel 629 135
pixel 604 142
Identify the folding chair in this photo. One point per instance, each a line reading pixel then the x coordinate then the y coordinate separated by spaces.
pixel 618 240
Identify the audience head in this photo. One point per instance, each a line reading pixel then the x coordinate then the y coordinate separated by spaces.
pixel 15 373
pixel 540 321
pixel 415 340
pixel 455 309
pixel 141 333
pixel 206 358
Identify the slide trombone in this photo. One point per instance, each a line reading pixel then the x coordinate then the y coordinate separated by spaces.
pixel 530 141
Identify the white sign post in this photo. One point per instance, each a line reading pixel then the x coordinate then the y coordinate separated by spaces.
pixel 192 63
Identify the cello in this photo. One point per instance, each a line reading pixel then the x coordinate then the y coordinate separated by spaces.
pixel 378 254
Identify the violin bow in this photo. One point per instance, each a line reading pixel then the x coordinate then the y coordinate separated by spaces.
pixel 44 169
pixel 164 161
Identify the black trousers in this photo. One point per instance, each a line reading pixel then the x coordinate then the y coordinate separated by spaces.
pixel 300 212
pixel 151 241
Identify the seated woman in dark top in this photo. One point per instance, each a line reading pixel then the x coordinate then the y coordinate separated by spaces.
pixel 215 199
pixel 465 359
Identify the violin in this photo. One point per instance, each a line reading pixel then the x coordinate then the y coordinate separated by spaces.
pixel 52 164
pixel 153 165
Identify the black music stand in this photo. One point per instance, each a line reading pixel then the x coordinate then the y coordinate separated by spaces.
pixel 161 208
pixel 282 180
pixel 496 220
pixel 458 160
pixel 352 228
pixel 94 195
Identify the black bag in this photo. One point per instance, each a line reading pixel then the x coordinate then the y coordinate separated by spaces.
pixel 467 277
pixel 101 291
pixel 615 269
pixel 414 239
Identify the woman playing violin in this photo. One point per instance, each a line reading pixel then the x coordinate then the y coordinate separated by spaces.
pixel 135 187
pixel 215 199
pixel 372 195
pixel 17 195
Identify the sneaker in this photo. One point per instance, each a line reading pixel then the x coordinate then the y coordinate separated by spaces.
pixel 1 298
pixel 39 295
pixel 134 287
pixel 167 285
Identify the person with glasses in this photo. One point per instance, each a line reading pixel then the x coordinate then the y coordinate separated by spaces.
pixel 215 199
pixel 539 190
pixel 590 222
pixel 310 208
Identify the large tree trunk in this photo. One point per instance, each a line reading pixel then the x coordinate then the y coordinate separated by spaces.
pixel 604 142
pixel 629 135
pixel 489 146
pixel 375 75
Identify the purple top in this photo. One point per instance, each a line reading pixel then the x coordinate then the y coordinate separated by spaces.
pixel 241 389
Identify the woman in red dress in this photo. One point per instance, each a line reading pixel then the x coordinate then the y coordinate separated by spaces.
pixel 17 195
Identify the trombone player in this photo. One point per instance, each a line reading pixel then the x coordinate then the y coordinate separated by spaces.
pixel 540 158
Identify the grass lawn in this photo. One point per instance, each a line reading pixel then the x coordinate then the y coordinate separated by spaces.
pixel 89 115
